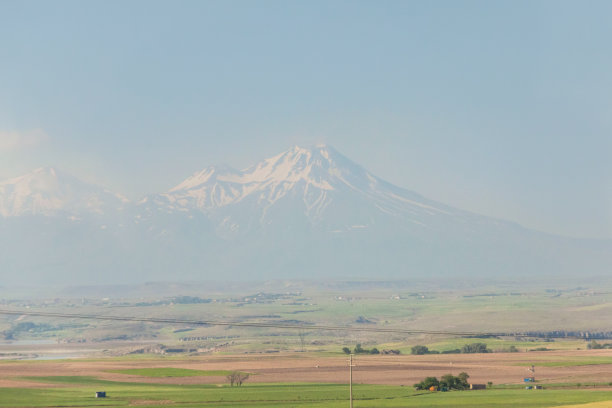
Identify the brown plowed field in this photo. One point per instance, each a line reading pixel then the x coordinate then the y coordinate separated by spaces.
pixel 500 368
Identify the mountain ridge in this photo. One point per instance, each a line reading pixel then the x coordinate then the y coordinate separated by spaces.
pixel 315 174
pixel 47 191
pixel 304 212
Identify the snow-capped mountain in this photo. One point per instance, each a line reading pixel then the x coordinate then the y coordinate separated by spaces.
pixel 47 192
pixel 317 185
pixel 314 173
pixel 305 213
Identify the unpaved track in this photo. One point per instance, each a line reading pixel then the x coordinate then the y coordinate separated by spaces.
pixel 500 368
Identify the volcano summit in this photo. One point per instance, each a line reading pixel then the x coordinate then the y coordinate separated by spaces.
pixel 304 213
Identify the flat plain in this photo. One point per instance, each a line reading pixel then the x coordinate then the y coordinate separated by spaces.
pixel 304 379
pixel 185 365
pixel 587 367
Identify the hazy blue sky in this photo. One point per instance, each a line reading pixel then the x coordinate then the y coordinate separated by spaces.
pixel 501 108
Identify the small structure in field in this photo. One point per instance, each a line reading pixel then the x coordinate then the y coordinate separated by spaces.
pixel 478 386
pixel 100 394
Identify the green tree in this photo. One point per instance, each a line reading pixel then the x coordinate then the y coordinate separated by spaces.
pixel 474 348
pixel 346 350
pixel 427 383
pixel 462 380
pixel 237 378
pixel 419 350
pixel 448 381
pixel 455 383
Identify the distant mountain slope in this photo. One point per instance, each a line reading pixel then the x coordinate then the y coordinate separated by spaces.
pixel 46 191
pixel 316 186
pixel 306 213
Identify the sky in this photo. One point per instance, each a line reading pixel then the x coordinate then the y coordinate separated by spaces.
pixel 503 108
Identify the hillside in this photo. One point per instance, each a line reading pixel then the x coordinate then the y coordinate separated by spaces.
pixel 306 213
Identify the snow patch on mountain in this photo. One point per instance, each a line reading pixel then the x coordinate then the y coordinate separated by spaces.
pixel 47 191
pixel 317 183
pixel 307 212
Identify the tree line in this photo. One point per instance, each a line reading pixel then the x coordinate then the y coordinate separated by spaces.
pixel 360 350
pixel 446 382
pixel 465 349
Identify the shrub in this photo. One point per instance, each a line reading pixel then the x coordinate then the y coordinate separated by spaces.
pixel 593 345
pixel 237 378
pixel 419 350
pixel 447 381
pixel 427 383
pixel 360 350
pixel 474 348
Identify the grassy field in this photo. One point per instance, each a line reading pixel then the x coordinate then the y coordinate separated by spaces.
pixel 79 392
pixel 482 309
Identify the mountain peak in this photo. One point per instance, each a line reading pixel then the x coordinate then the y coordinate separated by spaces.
pixel 48 191
pixel 44 170
pixel 321 149
pixel 308 164
pixel 307 210
pixel 308 174
pixel 41 172
pixel 209 174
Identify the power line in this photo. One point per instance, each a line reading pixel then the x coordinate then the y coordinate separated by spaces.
pixel 258 324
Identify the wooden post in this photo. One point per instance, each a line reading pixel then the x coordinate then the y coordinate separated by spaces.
pixel 351 380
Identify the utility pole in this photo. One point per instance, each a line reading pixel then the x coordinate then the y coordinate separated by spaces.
pixel 351 380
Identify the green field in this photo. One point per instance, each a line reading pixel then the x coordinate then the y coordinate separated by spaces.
pixel 361 305
pixel 79 392
pixel 358 305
